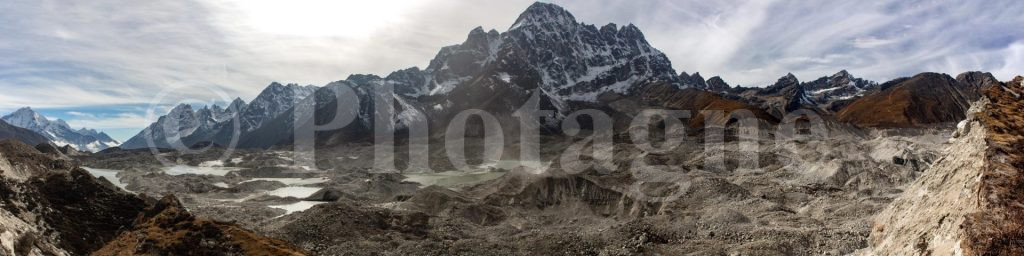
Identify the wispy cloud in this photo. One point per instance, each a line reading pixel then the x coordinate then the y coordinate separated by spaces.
pixel 755 42
pixel 112 121
pixel 64 54
pixel 870 42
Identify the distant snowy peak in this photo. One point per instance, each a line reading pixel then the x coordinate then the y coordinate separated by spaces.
pixel 717 84
pixel 59 132
pixel 693 81
pixel 217 114
pixel 102 136
pixel 27 118
pixel 183 122
pixel 217 124
pixel 696 81
pixel 839 86
pixel 273 101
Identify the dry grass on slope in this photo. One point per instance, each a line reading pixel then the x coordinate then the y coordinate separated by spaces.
pixel 694 100
pixel 169 229
pixel 998 229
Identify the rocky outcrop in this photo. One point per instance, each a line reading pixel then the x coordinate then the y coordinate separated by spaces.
pixel 786 95
pixel 998 227
pixel 168 228
pixel 970 201
pixel 927 218
pixel 693 81
pixel 48 206
pixel 345 227
pixel 716 84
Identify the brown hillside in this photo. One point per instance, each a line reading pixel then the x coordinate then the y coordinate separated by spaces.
pixel 696 100
pixel 926 98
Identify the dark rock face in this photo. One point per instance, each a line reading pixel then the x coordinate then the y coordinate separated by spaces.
pixel 786 95
pixel 975 82
pixel 786 82
pixel 578 61
pixel 273 101
pixel 716 84
pixel 693 81
pixel 70 151
pixel 47 148
pixel 8 131
pixel 328 195
pixel 100 212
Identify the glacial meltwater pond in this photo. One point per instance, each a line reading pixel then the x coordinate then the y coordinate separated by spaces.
pixel 296 192
pixel 452 179
pixel 297 206
pixel 294 181
pixel 110 175
pixel 199 170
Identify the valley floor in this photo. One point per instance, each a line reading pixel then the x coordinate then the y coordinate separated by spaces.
pixel 815 197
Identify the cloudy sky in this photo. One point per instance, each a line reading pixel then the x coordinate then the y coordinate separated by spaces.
pixel 103 63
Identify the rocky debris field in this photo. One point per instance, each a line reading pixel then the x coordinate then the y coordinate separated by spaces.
pixel 814 197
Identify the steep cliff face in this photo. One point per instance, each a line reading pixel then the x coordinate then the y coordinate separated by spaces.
pixel 970 201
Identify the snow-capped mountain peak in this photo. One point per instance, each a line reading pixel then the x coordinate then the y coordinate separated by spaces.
pixel 273 101
pixel 59 132
pixel 544 14
pixel 840 86
pixel 26 118
pixel 546 50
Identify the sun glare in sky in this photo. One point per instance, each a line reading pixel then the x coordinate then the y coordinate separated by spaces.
pixel 310 18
